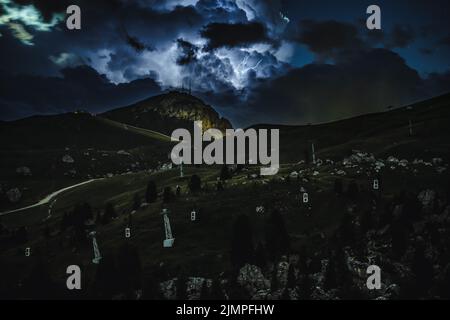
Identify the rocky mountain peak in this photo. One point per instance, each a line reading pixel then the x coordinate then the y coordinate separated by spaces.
pixel 177 106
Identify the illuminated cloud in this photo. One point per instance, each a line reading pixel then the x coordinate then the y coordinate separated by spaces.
pixel 17 17
pixel 20 33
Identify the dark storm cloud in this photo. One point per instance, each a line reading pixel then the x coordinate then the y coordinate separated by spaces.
pixel 324 38
pixel 328 38
pixel 220 11
pixel 79 88
pixel 438 82
pixel 188 52
pixel 426 51
pixel 134 42
pixel 234 35
pixel 401 36
pixel 369 81
pixel 445 41
pixel 244 80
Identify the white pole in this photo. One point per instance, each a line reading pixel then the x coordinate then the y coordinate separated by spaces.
pixel 168 242
pixel 313 153
pixel 97 256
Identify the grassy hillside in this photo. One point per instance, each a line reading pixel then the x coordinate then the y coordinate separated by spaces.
pixel 202 248
pixel 379 133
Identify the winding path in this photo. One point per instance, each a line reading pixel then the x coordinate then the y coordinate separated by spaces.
pixel 48 198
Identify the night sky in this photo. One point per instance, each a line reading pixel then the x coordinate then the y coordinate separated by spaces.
pixel 290 62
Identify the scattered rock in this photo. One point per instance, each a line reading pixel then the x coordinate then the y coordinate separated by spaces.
pixel 252 279
pixel 67 159
pixel 25 171
pixel 14 195
pixel 123 153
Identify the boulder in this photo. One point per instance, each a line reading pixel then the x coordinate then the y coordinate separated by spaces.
pixel 252 279
pixel 14 195
pixel 25 171
pixel 67 159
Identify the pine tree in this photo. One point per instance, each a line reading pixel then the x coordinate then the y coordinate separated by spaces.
pixel 204 292
pixel 422 269
pixel 241 242
pixel 151 193
pixel 444 283
pixel 181 286
pixel 225 173
pixel 366 222
pixel 167 195
pixel 105 283
pixel 64 222
pixel 129 269
pixel 399 238
pixel 87 212
pixel 330 281
pixel 260 256
pixel 108 214
pixel 338 188
pixel 291 277
pixel 306 155
pixel 195 184
pixel 136 202
pixel 152 290
pixel 285 295
pixel 306 287
pixel 39 278
pixel 353 190
pixel 216 290
pixel 274 285
pixel 347 230
pixel 276 236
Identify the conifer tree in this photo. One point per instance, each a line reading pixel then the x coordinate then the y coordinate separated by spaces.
pixel 151 194
pixel 242 250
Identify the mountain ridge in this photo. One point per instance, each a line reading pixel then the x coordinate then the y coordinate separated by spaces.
pixel 169 111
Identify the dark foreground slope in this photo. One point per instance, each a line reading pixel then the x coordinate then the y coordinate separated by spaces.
pixel 256 237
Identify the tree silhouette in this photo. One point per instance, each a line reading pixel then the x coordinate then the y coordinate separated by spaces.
pixel 195 184
pixel 129 269
pixel 136 202
pixel 347 229
pixel 204 292
pixel 422 268
pixel 216 290
pixel 38 279
pixel 151 194
pixel 276 236
pixel 399 238
pixel 330 280
pixel 366 222
pixel 306 287
pixel 167 195
pixel 225 173
pixel 260 256
pixel 291 277
pixel 353 190
pixel 181 286
pixel 108 214
pixel 105 282
pixel 338 187
pixel 241 242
